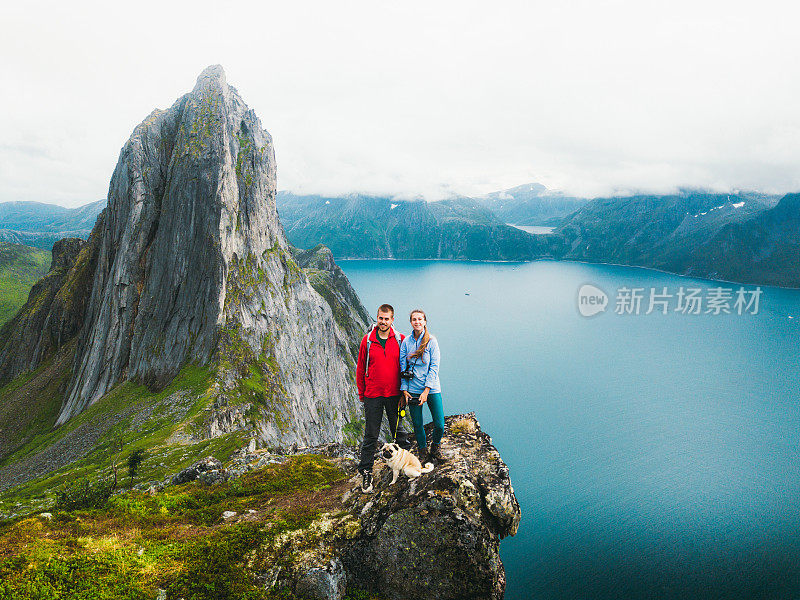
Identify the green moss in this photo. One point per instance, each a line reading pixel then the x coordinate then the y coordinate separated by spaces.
pixel 245 153
pixel 258 377
pixel 245 278
pixel 292 272
pixel 244 162
pixel 353 431
pixel 304 472
pixel 324 285
pixel 214 567
pixel 202 127
pixel 356 594
pixel 87 576
pixel 78 279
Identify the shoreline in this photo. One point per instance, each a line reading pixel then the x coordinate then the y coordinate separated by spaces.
pixel 585 262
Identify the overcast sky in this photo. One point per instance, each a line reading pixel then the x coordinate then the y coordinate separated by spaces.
pixel 411 98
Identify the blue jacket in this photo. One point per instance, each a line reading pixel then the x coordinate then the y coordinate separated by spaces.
pixel 426 367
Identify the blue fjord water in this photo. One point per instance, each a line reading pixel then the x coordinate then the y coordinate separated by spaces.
pixel 654 456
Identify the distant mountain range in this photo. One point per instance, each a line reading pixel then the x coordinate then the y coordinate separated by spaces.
pixel 531 204
pixel 742 236
pixel 379 227
pixel 651 229
pixel 762 249
pixel 40 225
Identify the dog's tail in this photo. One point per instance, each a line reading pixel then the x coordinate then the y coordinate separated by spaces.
pixel 427 468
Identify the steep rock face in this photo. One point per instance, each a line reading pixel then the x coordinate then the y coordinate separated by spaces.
pixel 192 265
pixel 332 284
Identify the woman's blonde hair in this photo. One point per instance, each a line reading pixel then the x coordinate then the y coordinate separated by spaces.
pixel 426 337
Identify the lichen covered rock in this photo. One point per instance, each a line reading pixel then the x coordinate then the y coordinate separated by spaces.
pixel 208 470
pixel 434 537
pixel 437 536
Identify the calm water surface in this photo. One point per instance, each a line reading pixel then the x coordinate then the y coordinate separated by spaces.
pixel 654 456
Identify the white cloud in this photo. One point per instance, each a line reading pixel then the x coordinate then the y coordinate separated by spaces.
pixel 417 98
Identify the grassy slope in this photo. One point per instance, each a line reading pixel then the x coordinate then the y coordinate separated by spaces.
pixel 174 540
pixel 29 405
pixel 138 543
pixel 20 268
pixel 128 417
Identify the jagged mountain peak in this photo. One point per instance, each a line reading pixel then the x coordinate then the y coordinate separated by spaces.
pixel 212 75
pixel 193 192
pixel 190 264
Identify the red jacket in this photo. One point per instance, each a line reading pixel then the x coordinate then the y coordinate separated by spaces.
pixel 384 366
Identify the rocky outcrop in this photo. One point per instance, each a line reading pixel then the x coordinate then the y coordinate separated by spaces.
pixel 437 536
pixel 208 470
pixel 55 309
pixel 433 537
pixel 332 284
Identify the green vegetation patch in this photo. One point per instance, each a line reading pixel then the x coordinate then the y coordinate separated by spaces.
pixel 128 418
pixel 29 404
pixel 175 540
pixel 20 268
pixel 353 432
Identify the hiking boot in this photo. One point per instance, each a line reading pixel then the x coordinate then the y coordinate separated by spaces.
pixel 436 453
pixel 423 456
pixel 366 480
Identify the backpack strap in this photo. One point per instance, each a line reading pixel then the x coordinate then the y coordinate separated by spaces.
pixel 369 343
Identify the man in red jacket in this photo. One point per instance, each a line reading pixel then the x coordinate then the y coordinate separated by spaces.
pixel 378 382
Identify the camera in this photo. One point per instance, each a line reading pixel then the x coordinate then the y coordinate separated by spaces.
pixel 414 400
pixel 407 374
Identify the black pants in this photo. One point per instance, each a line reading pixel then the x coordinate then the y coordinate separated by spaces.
pixel 373 415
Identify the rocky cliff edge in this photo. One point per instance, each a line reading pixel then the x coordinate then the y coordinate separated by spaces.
pixel 436 536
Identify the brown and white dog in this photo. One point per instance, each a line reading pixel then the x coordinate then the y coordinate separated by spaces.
pixel 402 460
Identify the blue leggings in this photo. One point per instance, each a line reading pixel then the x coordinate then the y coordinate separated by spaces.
pixel 434 403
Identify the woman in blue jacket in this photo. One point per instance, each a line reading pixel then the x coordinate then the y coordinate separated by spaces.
pixel 419 353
